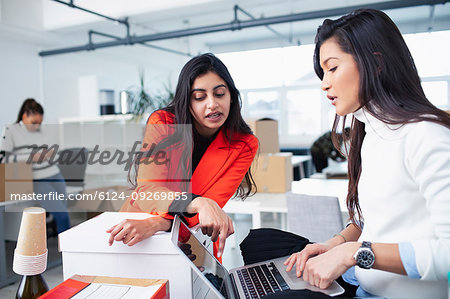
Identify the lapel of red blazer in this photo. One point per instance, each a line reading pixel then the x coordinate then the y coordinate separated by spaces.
pixel 210 165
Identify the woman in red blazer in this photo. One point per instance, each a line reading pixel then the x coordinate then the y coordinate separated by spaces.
pixel 200 132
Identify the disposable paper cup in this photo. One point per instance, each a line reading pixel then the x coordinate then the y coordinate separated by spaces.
pixel 32 240
pixel 30 255
pixel 29 265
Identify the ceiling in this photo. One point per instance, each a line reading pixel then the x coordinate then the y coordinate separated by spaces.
pixel 71 25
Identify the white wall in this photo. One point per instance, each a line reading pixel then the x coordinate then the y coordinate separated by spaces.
pixel 115 68
pixel 19 63
pixel 23 70
pixel 19 77
pixel 53 80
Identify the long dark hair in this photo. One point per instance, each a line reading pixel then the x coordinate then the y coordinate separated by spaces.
pixel 179 107
pixel 390 88
pixel 29 106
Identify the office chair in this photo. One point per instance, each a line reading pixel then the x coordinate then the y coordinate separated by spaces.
pixel 72 164
pixel 315 217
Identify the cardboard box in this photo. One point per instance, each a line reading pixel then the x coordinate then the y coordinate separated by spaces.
pixel 77 284
pixel 85 251
pixel 103 199
pixel 15 178
pixel 266 130
pixel 273 172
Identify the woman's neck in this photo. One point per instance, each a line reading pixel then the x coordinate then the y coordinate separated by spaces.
pixel 203 134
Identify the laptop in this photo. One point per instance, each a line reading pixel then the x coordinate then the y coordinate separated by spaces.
pixel 250 281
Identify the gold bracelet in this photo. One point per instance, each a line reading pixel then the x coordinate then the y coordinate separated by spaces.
pixel 345 240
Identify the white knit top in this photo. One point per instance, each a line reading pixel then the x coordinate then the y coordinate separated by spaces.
pixel 404 195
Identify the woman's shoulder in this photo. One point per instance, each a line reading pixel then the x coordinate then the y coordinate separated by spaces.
pixel 250 138
pixel 12 128
pixel 428 129
pixel 426 134
pixel 161 117
pixel 246 139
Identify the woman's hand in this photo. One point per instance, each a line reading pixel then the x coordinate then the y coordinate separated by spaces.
pixel 132 231
pixel 323 269
pixel 300 258
pixel 213 220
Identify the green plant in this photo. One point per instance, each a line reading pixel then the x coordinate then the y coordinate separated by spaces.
pixel 141 100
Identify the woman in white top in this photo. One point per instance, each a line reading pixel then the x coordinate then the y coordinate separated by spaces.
pixel 17 142
pixel 399 166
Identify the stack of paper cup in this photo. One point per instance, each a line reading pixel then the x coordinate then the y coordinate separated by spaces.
pixel 30 256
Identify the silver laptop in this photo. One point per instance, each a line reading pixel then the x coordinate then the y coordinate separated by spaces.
pixel 251 281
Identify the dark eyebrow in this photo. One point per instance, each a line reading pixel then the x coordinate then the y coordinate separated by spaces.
pixel 203 90
pixel 220 85
pixel 329 58
pixel 198 89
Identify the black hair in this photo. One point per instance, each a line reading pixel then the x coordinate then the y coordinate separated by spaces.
pixel 179 107
pixel 390 87
pixel 29 106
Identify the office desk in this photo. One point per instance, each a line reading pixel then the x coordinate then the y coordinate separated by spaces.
pixel 300 161
pixel 277 202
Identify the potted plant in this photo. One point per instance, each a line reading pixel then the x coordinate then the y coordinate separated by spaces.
pixel 141 102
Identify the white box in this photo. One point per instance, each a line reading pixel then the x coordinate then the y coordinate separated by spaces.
pixel 85 251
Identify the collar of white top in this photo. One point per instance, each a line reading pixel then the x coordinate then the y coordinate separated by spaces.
pixel 374 125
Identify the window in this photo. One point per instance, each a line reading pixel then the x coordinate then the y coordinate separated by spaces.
pixel 304 112
pixel 263 104
pixel 280 83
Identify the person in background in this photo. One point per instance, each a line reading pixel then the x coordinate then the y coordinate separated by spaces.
pixel 18 139
pixel 398 242
pixel 218 148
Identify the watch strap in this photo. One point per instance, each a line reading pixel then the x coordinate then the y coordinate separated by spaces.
pixel 367 244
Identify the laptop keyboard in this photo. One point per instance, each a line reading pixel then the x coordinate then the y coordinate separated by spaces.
pixel 260 280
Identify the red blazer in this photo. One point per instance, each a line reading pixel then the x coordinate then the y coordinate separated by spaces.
pixel 217 176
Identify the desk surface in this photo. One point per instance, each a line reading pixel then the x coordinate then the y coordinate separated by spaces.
pixel 276 202
pixel 297 160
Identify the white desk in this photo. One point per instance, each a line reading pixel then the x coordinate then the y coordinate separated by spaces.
pixel 299 160
pixel 277 202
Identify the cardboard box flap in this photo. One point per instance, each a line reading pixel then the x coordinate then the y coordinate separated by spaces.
pixel 91 236
pixel 15 179
pixel 273 172
pixel 266 130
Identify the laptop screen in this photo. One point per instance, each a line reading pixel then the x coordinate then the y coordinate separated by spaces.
pixel 206 263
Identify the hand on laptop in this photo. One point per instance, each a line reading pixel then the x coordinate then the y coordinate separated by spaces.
pixel 213 220
pixel 300 258
pixel 321 264
pixel 323 269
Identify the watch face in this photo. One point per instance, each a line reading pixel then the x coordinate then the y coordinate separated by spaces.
pixel 365 259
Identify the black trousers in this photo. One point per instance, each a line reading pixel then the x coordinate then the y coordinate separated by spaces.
pixel 268 243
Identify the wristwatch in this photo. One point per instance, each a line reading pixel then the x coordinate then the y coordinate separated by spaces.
pixel 364 256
